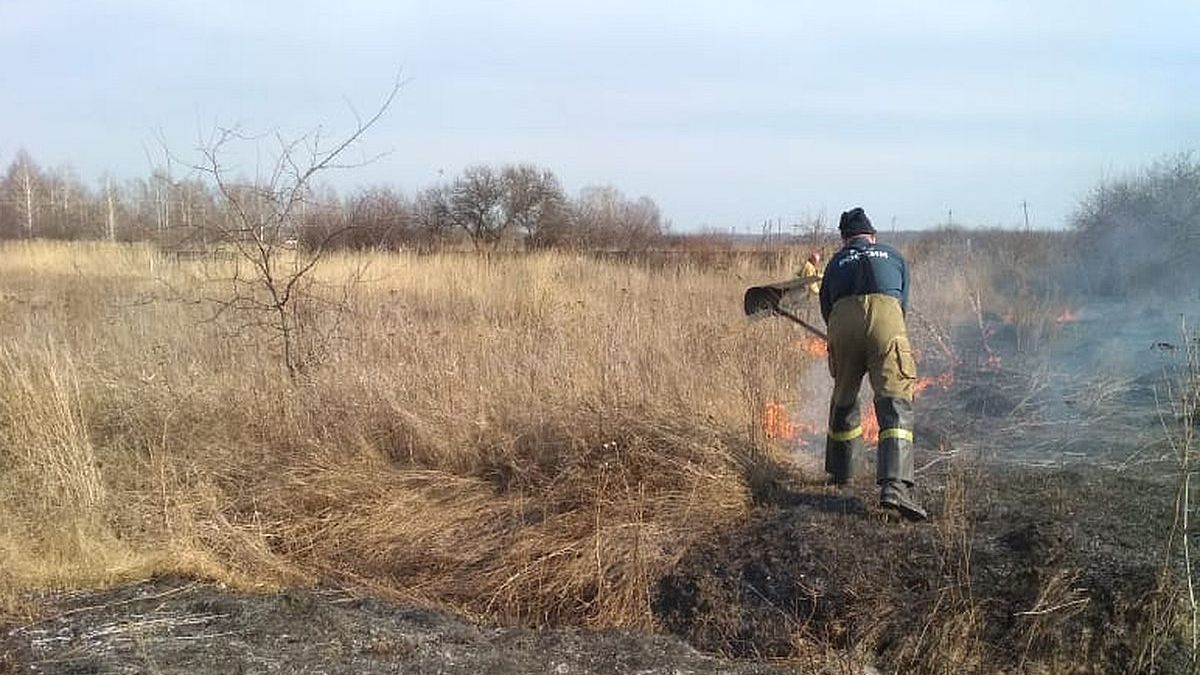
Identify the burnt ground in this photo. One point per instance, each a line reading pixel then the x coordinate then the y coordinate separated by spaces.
pixel 1051 549
pixel 174 625
pixel 1054 568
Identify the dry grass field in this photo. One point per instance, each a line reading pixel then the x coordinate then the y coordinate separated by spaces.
pixel 542 440
pixel 529 438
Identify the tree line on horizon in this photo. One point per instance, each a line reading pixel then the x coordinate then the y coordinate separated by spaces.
pixel 485 206
pixel 1142 225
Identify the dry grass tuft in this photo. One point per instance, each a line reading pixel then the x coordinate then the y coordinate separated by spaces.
pixel 54 503
pixel 572 521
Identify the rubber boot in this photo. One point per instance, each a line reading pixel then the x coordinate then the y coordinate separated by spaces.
pixel 895 469
pixel 843 460
pixel 843 456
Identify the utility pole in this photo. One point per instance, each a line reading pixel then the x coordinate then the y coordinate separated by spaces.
pixel 1025 209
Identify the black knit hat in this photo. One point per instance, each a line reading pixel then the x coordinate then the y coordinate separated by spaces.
pixel 855 222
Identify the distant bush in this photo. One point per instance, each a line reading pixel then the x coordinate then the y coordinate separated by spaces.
pixel 1137 233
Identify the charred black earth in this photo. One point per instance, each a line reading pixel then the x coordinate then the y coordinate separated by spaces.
pixel 174 625
pixel 1023 570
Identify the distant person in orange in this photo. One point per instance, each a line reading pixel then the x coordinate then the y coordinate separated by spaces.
pixel 812 269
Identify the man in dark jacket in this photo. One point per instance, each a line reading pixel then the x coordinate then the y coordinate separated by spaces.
pixel 864 298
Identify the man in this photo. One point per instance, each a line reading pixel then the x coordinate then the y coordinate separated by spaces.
pixel 812 270
pixel 864 297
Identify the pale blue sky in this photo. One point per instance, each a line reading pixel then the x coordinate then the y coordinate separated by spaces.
pixel 726 113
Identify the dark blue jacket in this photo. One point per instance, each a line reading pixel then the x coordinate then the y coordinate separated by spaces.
pixel 860 268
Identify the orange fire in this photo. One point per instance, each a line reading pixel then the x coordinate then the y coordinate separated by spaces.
pixel 813 346
pixel 775 422
pixel 870 425
pixel 778 424
pixel 1067 316
pixel 943 381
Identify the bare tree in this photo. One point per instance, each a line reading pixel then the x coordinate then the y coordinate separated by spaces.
pixel 376 217
pixel 516 200
pixel 606 219
pixel 431 213
pixel 23 183
pixel 532 198
pixel 110 211
pixel 262 221
pixel 477 205
pixel 534 204
pixel 554 227
pixel 814 230
pixel 641 223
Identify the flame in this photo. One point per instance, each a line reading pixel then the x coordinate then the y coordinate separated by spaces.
pixel 1067 316
pixel 813 346
pixel 870 425
pixel 943 381
pixel 778 424
pixel 775 422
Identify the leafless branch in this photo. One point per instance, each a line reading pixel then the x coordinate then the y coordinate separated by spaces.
pixel 261 222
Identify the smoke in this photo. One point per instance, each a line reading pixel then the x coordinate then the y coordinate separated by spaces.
pixel 1132 269
pixel 1138 236
pixel 1067 344
pixel 1049 346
